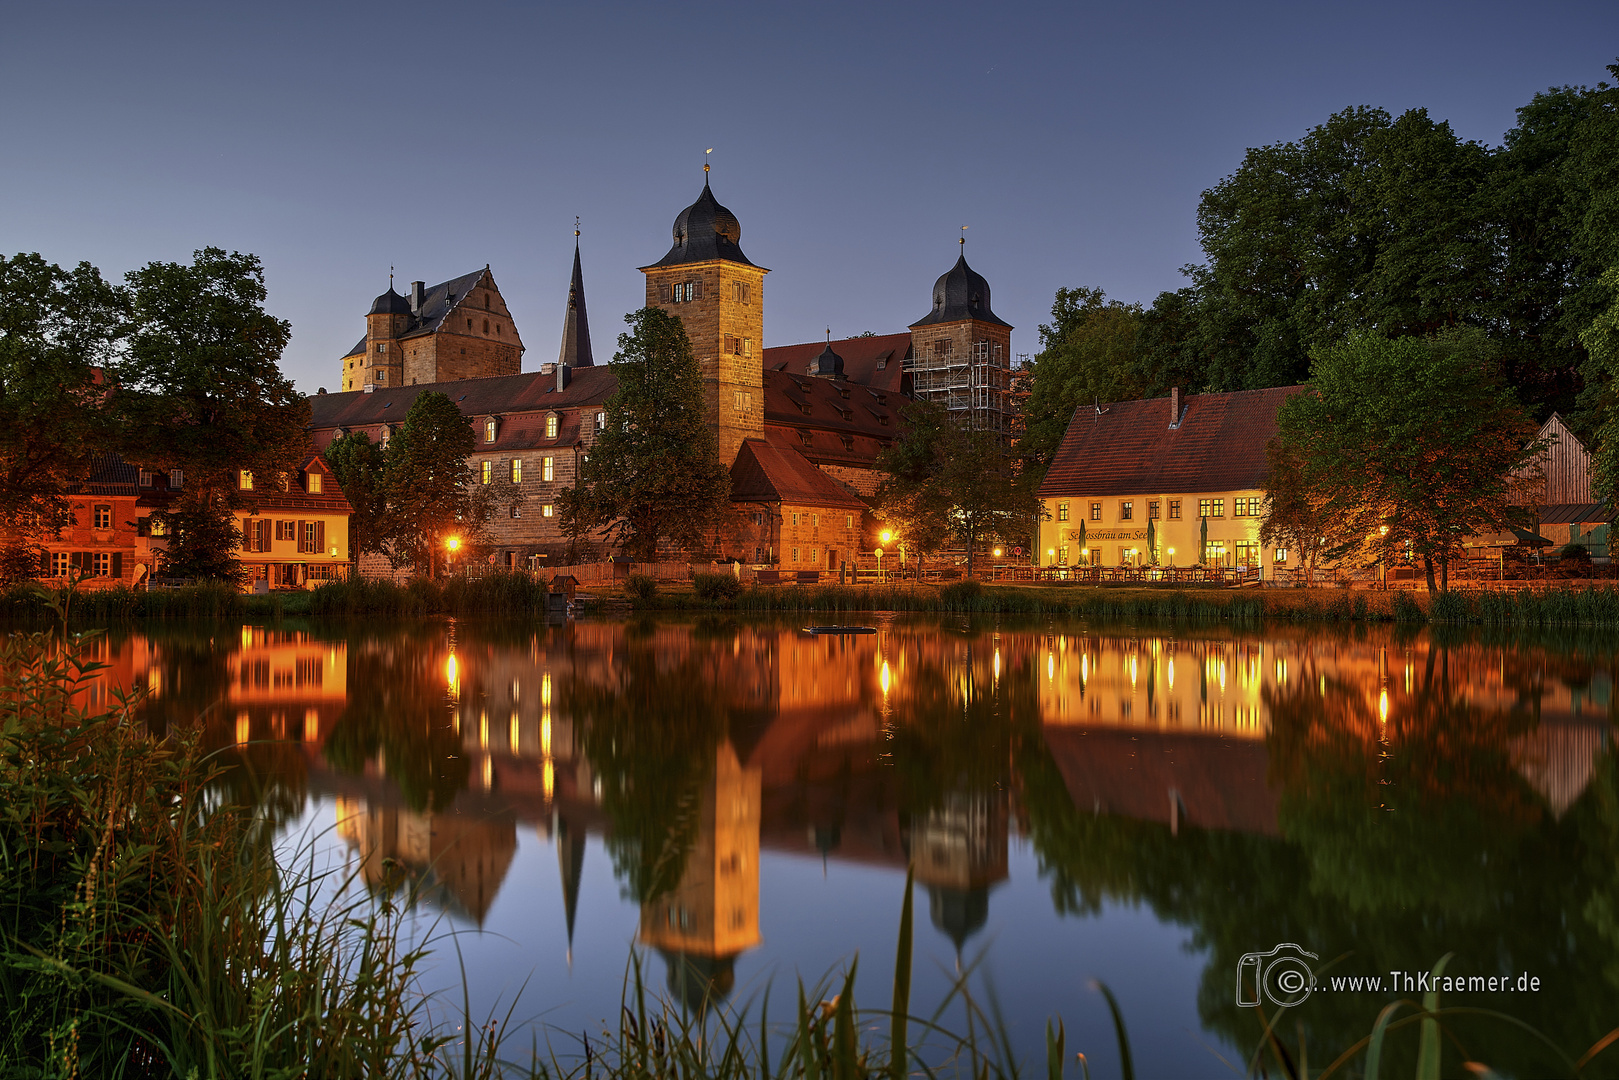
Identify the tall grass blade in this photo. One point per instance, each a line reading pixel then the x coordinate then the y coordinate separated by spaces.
pixel 1054 1050
pixel 898 1037
pixel 1428 1045
pixel 1127 1069
pixel 1374 1044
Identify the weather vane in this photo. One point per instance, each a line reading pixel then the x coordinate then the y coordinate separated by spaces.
pixel 963 240
pixel 576 225
pixel 390 279
pixel 707 152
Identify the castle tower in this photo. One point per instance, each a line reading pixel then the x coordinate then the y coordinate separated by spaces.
pixel 383 364
pixel 962 352
pixel 576 323
pixel 719 296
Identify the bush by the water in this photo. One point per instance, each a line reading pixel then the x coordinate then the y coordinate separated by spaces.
pixel 641 589
pixel 959 595
pixel 716 587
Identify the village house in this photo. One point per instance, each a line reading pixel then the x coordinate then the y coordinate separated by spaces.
pixel 1188 470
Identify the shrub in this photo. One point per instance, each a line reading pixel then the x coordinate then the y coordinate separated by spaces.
pixel 1406 609
pixel 716 587
pixel 959 595
pixel 1453 606
pixel 640 588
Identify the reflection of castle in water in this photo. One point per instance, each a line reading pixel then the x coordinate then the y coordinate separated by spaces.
pixel 1175 730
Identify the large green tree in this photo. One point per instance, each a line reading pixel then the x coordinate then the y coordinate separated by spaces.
pixel 1409 441
pixel 201 389
pixel 654 473
pixel 1088 353
pixel 59 333
pixel 361 469
pixel 943 479
pixel 1602 339
pixel 428 489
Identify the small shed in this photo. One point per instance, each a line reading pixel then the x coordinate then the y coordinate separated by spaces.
pixel 565 584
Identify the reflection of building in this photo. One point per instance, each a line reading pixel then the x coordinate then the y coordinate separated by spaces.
pixel 458 860
pixel 958 851
pixel 712 915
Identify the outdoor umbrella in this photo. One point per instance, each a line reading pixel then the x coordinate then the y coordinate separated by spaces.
pixel 1203 540
pixel 1152 540
pixel 1081 539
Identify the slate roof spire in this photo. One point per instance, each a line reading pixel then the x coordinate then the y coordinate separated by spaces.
pixel 576 323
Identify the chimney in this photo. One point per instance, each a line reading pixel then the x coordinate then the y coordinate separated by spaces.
pixel 564 373
pixel 416 290
pixel 1174 406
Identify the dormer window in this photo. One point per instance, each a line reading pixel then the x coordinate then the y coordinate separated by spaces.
pixel 489 426
pixel 312 483
pixel 177 479
pixel 601 420
pixel 551 426
pixel 244 480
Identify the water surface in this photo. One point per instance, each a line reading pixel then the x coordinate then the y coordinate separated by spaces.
pixel 740 802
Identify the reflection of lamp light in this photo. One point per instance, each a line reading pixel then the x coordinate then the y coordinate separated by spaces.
pixel 1383 707
pixel 452 676
pixel 885 678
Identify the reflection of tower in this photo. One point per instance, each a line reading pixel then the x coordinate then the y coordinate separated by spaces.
pixel 958 851
pixel 712 914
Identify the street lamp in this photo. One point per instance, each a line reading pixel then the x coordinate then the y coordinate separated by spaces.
pixel 879 554
pixel 886 537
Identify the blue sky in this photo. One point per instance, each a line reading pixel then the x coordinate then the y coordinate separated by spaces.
pixel 852 140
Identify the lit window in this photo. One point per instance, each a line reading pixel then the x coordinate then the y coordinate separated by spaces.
pixel 517 470
pixel 747 346
pixel 1207 508
pixel 517 511
pixel 1096 511
pixel 1062 555
pixel 1152 510
pixel 548 510
pixel 314 483
pixel 244 480
pixel 848 521
pixel 1281 555
pixel 103 517
pixel 548 469
pixel 551 426
pixel 489 430
pixel 488 471
pixel 601 420
pixel 1174 509
pixel 1127 511
pixel 1062 511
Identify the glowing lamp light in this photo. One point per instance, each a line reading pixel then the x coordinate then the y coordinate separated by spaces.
pixel 997 553
pixel 887 537
pixel 452 543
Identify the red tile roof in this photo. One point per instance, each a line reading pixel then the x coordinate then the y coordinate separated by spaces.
pixel 860 358
pixel 1130 449
pixel 766 471
pixel 494 396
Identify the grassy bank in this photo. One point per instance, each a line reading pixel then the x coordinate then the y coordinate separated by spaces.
pixel 518 595
pixel 491 594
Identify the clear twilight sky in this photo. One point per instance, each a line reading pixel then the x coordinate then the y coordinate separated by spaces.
pixel 852 140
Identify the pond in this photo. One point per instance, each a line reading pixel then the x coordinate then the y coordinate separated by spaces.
pixel 1157 808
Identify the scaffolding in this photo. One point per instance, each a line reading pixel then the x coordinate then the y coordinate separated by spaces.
pixel 974 385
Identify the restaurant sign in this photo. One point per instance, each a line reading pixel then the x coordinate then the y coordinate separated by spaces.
pixel 1109 534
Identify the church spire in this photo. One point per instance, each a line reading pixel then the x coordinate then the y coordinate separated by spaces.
pixel 576 324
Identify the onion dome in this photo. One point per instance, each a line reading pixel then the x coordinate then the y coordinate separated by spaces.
pixel 960 294
pixel 704 231
pixel 828 365
pixel 390 303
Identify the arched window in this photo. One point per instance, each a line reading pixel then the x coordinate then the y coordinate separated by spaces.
pixel 489 430
pixel 551 426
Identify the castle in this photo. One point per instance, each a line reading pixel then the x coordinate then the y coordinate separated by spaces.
pixel 800 426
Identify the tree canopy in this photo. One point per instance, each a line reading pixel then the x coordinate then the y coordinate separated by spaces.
pixel 1408 442
pixel 427 480
pixel 654 472
pixel 59 333
pixel 361 470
